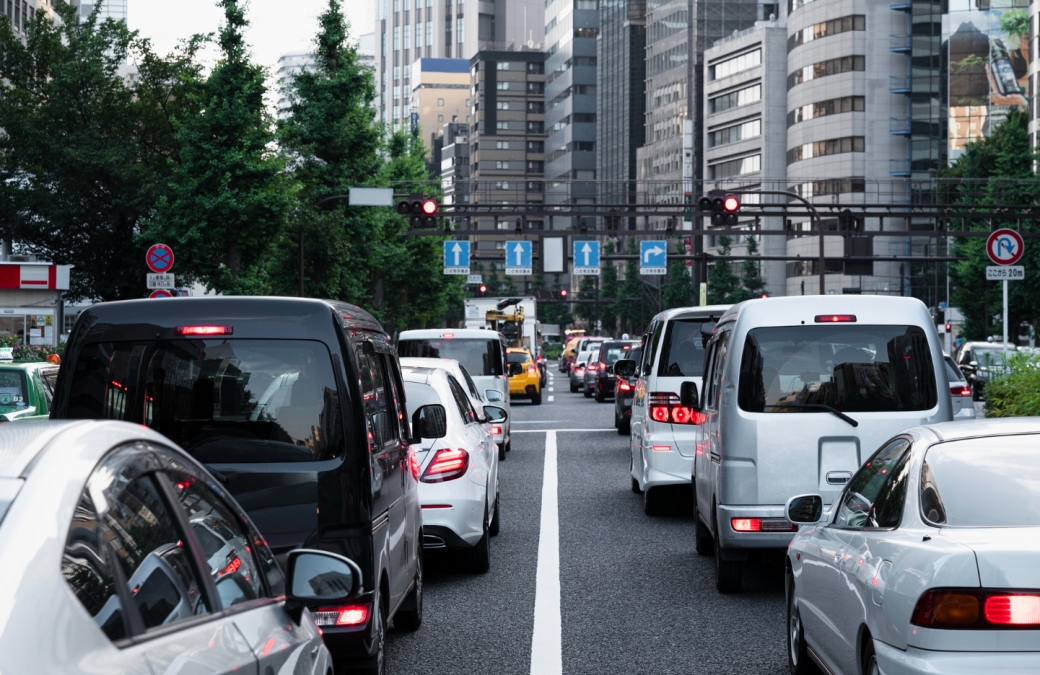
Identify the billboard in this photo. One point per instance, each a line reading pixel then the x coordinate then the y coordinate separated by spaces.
pixel 987 50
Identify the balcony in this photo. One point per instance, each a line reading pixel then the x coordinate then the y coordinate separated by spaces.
pixel 899 168
pixel 899 126
pixel 899 84
pixel 900 44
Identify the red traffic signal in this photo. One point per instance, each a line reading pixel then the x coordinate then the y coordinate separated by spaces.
pixel 429 207
pixel 731 204
pixel 949 327
pixel 482 290
pixel 422 210
pixel 563 292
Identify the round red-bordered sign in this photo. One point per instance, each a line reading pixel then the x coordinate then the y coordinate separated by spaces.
pixel 160 293
pixel 1005 247
pixel 159 258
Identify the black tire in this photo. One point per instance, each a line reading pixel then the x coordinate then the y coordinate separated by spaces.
pixel 376 664
pixel 626 427
pixel 495 525
pixel 409 617
pixel 870 664
pixel 729 574
pixel 703 541
pixel 655 501
pixel 536 398
pixel 509 445
pixel 574 388
pixel 617 421
pixel 635 487
pixel 502 452
pixel 600 398
pixel 587 391
pixel 798 661
pixel 480 555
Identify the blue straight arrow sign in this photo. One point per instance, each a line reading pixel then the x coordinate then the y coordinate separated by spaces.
pixel 586 257
pixel 518 258
pixel 456 257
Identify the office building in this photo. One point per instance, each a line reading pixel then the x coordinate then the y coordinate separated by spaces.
pixel 21 13
pixel 110 9
pixel 367 50
pixel 451 151
pixel 440 95
pixel 289 66
pixel 408 30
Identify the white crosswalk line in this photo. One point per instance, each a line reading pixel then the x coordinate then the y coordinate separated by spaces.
pixel 550 398
pixel 547 642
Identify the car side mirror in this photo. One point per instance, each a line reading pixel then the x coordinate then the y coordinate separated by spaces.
pixel 688 396
pixel 494 395
pixel 974 364
pixel 319 577
pixel 430 421
pixel 625 368
pixel 494 414
pixel 804 509
pixel 708 328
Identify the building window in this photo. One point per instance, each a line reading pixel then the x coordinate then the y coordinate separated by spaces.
pixel 832 186
pixel 501 185
pixel 407 35
pixel 586 4
pixel 845 64
pixel 502 126
pixel 586 32
pixel 826 28
pixel 397 5
pixel 735 133
pixel 536 146
pixel 429 33
pixel 736 64
pixel 502 65
pixel 502 165
pixel 440 118
pixel 502 105
pixel 501 145
pixel 502 86
pixel 397 38
pixel 834 146
pixel 440 103
pixel 735 99
pixel 832 106
pixel 459 25
pixel 736 167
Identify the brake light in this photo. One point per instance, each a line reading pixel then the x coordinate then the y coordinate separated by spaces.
pixel 352 615
pixel 746 524
pixel 496 431
pixel 624 386
pixel 448 335
pixel 204 330
pixel 580 370
pixel 964 390
pixel 413 464
pixel 972 609
pixel 447 464
pixel 662 448
pixel 835 318
pixel 761 524
pixel 665 408
pixel 532 369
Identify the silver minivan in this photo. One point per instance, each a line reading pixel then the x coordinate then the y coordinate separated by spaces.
pixel 798 392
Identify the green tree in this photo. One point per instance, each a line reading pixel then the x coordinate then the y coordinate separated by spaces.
pixel 751 273
pixel 724 287
pixel 634 315
pixel 228 200
pixel 609 288
pixel 679 290
pixel 587 310
pixel 84 153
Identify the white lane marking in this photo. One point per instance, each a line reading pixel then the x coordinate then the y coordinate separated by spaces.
pixel 551 389
pixel 550 398
pixel 561 431
pixel 547 642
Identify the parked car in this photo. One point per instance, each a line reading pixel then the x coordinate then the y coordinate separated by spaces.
pixel 577 375
pixel 588 380
pixel 979 361
pixel 26 390
pixel 603 363
pixel 625 389
pixel 797 391
pixel 927 562
pixel 298 407
pixel 458 473
pixel 960 391
pixel 524 379
pixel 482 352
pixel 125 576
pixel 663 438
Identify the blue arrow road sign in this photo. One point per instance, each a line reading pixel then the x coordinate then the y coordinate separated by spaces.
pixel 652 257
pixel 586 257
pixel 518 257
pixel 456 257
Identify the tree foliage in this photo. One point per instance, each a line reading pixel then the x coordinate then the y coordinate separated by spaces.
pixel 724 287
pixel 679 289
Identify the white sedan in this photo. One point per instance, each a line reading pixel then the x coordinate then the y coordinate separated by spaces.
pixel 457 466
pixel 929 562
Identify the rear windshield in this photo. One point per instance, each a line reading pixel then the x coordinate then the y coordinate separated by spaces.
pixel 982 482
pixel 516 357
pixel 613 351
pixel 988 357
pixel 682 354
pixel 851 367
pixel 13 395
pixel 480 356
pixel 221 400
pixel 420 394
pixel 953 373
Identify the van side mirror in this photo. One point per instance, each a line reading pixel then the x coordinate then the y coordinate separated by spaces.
pixel 493 395
pixel 319 578
pixel 688 396
pixel 708 328
pixel 494 414
pixel 804 509
pixel 625 368
pixel 430 421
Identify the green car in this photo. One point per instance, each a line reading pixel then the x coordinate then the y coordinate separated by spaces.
pixel 26 390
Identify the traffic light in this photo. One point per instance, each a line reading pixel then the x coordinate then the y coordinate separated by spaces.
pixel 724 208
pixel 949 327
pixel 563 294
pixel 422 209
pixel 482 290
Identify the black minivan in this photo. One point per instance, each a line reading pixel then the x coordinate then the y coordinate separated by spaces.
pixel 297 406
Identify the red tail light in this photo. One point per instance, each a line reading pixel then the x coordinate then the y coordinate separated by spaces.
pixel 204 330
pixel 665 408
pixel 762 525
pixel 231 567
pixel 580 370
pixel 413 464
pixel 964 390
pixel 746 524
pixel 835 318
pixel 496 431
pixel 624 386
pixel 447 464
pixel 971 609
pixel 352 615
pixel 532 369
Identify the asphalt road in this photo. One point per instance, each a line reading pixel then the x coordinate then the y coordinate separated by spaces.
pixel 634 596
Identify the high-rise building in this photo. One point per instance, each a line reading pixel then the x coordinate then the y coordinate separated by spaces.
pixel 22 13
pixel 110 9
pixel 289 66
pixel 440 95
pixel 367 49
pixel 407 30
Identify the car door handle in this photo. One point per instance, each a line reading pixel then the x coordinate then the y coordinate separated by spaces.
pixel 838 477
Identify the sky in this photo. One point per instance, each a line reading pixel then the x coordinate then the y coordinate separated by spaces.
pixel 277 26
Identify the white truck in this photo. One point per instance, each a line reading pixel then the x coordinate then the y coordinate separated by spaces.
pixel 476 317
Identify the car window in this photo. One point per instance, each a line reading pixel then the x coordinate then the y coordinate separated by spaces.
pixel 982 482
pixel 650 350
pixel 13 394
pixel 465 409
pixel 49 377
pixel 87 569
pixel 682 350
pixel 517 357
pixel 953 373
pixel 470 384
pixel 881 479
pixel 224 401
pixel 148 546
pixel 376 394
pixel 481 356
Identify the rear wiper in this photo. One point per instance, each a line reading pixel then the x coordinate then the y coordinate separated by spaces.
pixel 820 406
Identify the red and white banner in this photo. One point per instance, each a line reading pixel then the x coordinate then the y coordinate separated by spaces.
pixel 44 276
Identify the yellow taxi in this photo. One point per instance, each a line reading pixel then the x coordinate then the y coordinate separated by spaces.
pixel 524 378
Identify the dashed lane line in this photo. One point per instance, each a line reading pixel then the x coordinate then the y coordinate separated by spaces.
pixel 550 398
pixel 547 640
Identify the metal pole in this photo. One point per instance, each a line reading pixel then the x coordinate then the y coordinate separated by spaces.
pixel 1005 282
pixel 301 260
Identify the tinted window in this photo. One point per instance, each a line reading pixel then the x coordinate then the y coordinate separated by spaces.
pixel 48 377
pixel 517 357
pixel 876 494
pixel 613 351
pixel 12 390
pixel 953 373
pixel 984 357
pixel 854 368
pixel 470 383
pixel 376 393
pixel 682 350
pixel 421 394
pixel 982 482
pixel 87 570
pixel 481 357
pixel 465 409
pixel 221 400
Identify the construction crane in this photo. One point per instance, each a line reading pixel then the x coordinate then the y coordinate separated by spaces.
pixel 510 325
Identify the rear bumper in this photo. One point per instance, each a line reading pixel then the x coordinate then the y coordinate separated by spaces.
pixel 748 540
pixel 665 468
pixel 464 517
pixel 913 661
pixel 967 411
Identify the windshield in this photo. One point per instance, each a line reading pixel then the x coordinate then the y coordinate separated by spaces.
pixel 853 368
pixel 682 354
pixel 611 352
pixel 12 390
pixel 982 482
pixel 221 400
pixel 480 356
pixel 988 357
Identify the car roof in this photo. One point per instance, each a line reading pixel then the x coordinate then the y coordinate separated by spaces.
pixel 27 365
pixel 790 310
pixel 955 431
pixel 417 373
pixel 706 311
pixel 428 333
pixel 990 345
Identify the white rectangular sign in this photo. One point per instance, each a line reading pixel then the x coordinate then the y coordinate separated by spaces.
pixel 371 196
pixel 162 280
pixel 475 279
pixel 1005 272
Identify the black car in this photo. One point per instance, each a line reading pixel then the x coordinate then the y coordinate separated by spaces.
pixel 298 407
pixel 624 392
pixel 609 353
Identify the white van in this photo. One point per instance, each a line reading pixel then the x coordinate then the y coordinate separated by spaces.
pixel 798 392
pixel 663 437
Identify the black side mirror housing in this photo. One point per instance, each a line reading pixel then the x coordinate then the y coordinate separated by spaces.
pixel 625 368
pixel 688 396
pixel 318 577
pixel 430 421
pixel 804 509
pixel 494 414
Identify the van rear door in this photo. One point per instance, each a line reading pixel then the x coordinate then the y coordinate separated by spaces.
pixel 682 360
